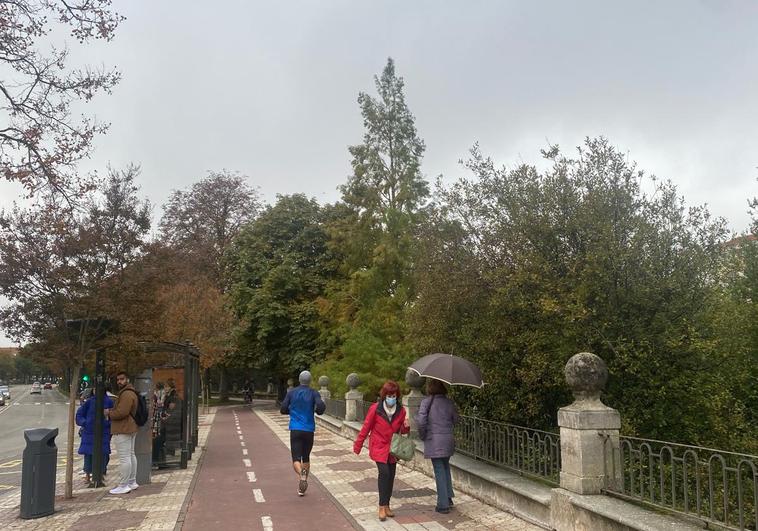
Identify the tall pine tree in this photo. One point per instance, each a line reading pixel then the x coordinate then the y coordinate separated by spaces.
pixel 382 205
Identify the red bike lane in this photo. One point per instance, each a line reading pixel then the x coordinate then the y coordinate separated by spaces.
pixel 246 481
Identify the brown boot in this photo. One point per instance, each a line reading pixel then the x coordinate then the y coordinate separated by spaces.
pixel 382 513
pixel 388 511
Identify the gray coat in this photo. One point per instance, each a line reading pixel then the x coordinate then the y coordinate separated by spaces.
pixel 438 424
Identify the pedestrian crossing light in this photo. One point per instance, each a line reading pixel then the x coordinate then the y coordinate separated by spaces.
pixel 85 378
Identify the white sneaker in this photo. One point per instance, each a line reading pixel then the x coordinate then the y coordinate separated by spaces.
pixel 132 485
pixel 121 489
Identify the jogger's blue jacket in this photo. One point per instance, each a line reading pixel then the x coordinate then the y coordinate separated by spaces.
pixel 299 404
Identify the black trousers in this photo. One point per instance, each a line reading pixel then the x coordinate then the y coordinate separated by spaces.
pixel 386 481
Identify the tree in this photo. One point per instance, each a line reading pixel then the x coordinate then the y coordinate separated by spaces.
pixel 7 366
pixel 194 309
pixel 203 220
pixel 530 267
pixel 278 269
pixel 25 368
pixel 375 236
pixel 40 142
pixel 58 263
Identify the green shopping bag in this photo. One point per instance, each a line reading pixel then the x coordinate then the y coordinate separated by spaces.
pixel 402 447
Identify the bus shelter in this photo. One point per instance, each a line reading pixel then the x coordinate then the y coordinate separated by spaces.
pixel 174 398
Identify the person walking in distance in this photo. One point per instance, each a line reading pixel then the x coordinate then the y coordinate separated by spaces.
pixel 124 432
pixel 300 404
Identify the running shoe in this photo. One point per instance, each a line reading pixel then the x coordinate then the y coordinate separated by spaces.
pixel 303 486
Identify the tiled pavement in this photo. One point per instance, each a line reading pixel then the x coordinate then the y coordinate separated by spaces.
pixel 351 480
pixel 156 506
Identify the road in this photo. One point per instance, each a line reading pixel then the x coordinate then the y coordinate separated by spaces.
pixel 48 410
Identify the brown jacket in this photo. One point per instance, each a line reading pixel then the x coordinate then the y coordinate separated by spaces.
pixel 122 419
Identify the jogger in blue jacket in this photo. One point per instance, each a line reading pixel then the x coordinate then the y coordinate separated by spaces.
pixel 300 404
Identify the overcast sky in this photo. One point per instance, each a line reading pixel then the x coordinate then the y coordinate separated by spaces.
pixel 269 88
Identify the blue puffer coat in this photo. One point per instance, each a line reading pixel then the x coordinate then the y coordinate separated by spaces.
pixel 85 417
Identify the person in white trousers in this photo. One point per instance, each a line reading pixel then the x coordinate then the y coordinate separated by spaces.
pixel 124 431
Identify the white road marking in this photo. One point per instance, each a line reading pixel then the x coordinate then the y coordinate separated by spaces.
pixel 251 477
pixel 268 525
pixel 247 462
pixel 258 493
pixel 242 443
pixel 47 403
pixel 36 403
pixel 241 437
pixel 244 451
pixel 239 432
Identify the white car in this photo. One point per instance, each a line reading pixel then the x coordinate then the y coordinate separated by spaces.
pixel 36 388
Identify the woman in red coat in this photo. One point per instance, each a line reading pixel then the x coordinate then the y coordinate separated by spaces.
pixel 382 420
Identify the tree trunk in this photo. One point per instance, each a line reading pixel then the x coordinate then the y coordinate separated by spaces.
pixel 72 400
pixel 223 386
pixel 207 387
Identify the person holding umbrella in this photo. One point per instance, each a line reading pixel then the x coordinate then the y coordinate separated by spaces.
pixel 437 415
pixel 384 418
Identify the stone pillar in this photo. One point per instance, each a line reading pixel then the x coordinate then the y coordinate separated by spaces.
pixel 290 384
pixel 352 397
pixel 412 400
pixel 325 393
pixel 589 429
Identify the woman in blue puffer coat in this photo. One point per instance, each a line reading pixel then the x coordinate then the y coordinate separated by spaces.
pixel 436 417
pixel 85 417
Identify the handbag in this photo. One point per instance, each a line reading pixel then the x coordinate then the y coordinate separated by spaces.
pixel 402 447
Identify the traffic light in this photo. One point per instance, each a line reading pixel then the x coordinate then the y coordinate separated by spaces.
pixel 83 380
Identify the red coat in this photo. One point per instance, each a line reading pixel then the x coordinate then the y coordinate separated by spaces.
pixel 380 428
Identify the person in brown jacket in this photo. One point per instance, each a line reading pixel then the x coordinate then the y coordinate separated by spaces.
pixel 124 431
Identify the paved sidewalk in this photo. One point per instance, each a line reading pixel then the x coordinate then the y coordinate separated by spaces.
pixel 351 480
pixel 156 506
pixel 246 482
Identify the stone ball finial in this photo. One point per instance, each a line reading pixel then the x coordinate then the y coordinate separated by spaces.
pixel 586 375
pixel 352 380
pixel 323 381
pixel 413 379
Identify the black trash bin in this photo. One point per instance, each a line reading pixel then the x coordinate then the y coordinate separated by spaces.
pixel 38 473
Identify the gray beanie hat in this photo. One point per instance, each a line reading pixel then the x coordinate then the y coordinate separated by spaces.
pixel 305 378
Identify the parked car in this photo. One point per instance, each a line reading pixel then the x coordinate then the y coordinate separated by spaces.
pixel 48 385
pixel 2 399
pixel 5 391
pixel 36 388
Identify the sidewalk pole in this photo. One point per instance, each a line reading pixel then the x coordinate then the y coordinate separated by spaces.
pixel 97 448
